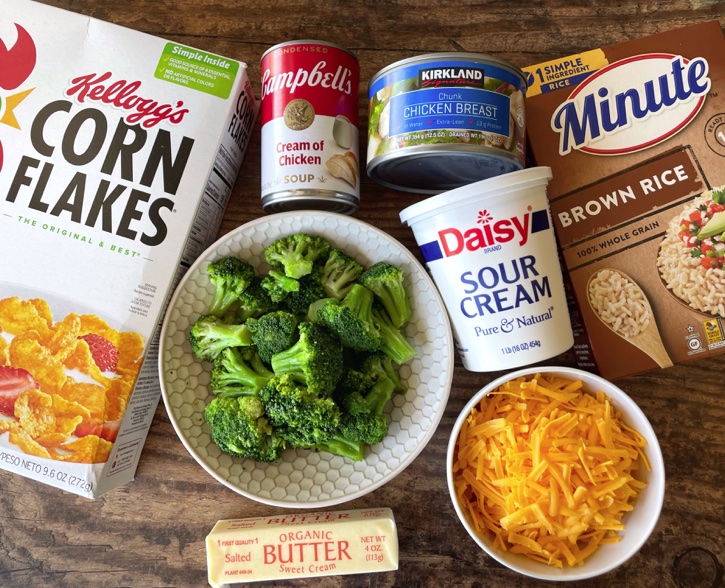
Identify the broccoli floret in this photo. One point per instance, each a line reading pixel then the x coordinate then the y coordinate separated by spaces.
pixel 273 332
pixel 340 273
pixel 362 419
pixel 310 290
pixel 395 345
pixel 254 302
pixel 230 277
pixel 232 375
pixel 351 319
pixel 338 445
pixel 386 282
pixel 315 361
pixel 376 365
pixel 300 416
pixel 278 286
pixel 239 427
pixel 297 254
pixel 210 335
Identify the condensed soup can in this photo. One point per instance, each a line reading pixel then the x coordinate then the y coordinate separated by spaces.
pixel 491 250
pixel 309 113
pixel 443 120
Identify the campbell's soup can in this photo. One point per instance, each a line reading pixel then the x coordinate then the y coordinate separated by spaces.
pixel 309 112
pixel 444 120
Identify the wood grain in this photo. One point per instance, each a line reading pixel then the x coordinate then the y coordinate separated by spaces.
pixel 151 532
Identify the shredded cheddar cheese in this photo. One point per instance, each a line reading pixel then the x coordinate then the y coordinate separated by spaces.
pixel 548 470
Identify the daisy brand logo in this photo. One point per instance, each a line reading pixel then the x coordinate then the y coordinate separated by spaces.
pixel 489 234
pixel 16 65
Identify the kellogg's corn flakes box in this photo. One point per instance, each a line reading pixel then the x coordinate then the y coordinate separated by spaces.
pixel 118 152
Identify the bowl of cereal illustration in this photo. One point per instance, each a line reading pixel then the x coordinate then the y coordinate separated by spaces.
pixel 66 376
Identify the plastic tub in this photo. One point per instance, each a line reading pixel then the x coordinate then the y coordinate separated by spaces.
pixel 491 250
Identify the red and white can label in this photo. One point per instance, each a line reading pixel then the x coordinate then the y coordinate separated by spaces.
pixel 309 117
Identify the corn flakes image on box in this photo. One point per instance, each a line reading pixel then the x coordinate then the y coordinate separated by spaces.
pixel 118 152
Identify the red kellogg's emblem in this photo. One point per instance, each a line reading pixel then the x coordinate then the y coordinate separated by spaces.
pixel 124 94
pixel 16 65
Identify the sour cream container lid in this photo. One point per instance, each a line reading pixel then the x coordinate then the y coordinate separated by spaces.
pixel 465 195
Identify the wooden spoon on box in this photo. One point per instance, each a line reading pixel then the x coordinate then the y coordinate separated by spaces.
pixel 619 302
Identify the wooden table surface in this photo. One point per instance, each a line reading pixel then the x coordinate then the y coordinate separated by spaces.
pixel 151 532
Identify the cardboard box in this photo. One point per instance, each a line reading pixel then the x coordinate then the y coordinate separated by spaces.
pixel 634 134
pixel 118 154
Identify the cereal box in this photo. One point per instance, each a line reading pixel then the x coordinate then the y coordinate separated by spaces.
pixel 635 136
pixel 118 152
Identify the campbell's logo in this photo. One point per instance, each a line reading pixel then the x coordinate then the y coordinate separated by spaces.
pixel 126 96
pixel 16 65
pixel 490 233
pixel 340 79
pixel 632 104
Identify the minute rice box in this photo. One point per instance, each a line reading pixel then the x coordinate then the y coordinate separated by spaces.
pixel 635 136
pixel 118 153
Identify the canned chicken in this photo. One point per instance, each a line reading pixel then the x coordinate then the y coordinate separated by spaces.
pixel 443 120
pixel 310 127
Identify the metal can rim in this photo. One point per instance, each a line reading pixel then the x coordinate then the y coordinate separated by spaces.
pixel 307 42
pixel 428 57
pixel 430 151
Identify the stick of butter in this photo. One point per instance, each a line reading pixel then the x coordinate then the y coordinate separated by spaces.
pixel 302 545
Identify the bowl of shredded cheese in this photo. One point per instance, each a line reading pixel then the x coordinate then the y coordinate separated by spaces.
pixel 556 473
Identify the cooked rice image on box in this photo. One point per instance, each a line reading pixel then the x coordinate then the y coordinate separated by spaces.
pixel 619 302
pixel 692 254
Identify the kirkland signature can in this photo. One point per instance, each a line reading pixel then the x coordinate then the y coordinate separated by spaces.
pixel 444 120
pixel 310 153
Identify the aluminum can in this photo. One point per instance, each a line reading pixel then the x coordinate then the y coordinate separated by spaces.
pixel 440 121
pixel 309 114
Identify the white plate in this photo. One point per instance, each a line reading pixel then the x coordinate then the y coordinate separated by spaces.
pixel 303 478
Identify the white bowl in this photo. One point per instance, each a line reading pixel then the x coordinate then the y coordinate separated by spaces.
pixel 639 523
pixel 305 478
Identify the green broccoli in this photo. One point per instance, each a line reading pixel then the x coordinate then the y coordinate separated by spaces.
pixel 300 416
pixel 351 319
pixel 310 290
pixel 338 445
pixel 362 419
pixel 273 332
pixel 278 286
pixel 316 360
pixel 254 301
pixel 230 277
pixel 296 254
pixel 395 345
pixel 210 335
pixel 386 282
pixel 233 374
pixel 339 274
pixel 376 365
pixel 239 427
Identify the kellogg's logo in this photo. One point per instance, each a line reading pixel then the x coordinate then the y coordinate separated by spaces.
pixel 606 114
pixel 16 65
pixel 492 233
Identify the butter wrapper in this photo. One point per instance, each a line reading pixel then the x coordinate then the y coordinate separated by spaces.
pixel 302 546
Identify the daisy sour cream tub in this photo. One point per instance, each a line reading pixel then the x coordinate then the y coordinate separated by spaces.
pixel 491 250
